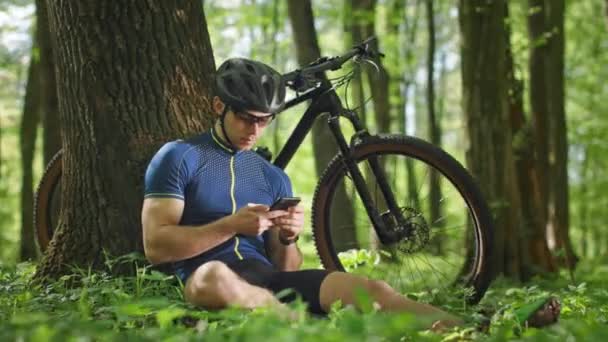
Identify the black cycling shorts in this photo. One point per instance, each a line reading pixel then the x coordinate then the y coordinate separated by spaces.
pixel 305 283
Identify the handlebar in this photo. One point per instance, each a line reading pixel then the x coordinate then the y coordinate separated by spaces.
pixel 297 79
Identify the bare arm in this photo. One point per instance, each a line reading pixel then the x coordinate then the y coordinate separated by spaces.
pixel 289 227
pixel 285 258
pixel 167 241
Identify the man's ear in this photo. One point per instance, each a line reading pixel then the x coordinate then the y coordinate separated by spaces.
pixel 218 105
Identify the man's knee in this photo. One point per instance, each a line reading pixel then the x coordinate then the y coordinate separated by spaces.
pixel 211 286
pixel 377 288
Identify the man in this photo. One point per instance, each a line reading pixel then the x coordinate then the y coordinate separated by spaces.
pixel 206 211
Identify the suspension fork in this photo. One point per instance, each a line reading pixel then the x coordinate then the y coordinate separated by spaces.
pixel 378 172
pixel 385 235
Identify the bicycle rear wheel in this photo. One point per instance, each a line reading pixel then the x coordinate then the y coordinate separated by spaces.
pixel 448 244
pixel 47 201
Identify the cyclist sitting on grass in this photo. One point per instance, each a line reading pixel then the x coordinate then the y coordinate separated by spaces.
pixel 206 211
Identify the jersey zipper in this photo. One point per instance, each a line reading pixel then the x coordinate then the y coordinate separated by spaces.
pixel 232 184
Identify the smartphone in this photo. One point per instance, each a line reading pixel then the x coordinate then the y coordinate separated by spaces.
pixel 283 203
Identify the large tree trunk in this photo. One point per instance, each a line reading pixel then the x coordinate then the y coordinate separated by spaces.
pixel 324 144
pixel 27 142
pixel 559 218
pixel 51 133
pixel 531 245
pixel 486 109
pixel 129 78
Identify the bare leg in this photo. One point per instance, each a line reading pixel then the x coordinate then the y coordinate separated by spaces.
pixel 215 286
pixel 341 286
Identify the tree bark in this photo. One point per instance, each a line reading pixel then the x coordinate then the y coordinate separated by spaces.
pixel 486 109
pixel 129 79
pixel 51 133
pixel 530 244
pixel 27 142
pixel 584 205
pixel 433 124
pixel 559 218
pixel 409 70
pixel 538 102
pixel 364 18
pixel 352 29
pixel 324 145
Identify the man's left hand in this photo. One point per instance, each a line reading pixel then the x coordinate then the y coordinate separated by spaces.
pixel 291 225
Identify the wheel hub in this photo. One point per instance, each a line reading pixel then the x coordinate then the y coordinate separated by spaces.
pixel 410 233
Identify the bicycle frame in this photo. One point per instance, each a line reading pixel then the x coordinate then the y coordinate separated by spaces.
pixel 325 100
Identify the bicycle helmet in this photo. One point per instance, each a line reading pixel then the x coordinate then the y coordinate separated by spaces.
pixel 244 84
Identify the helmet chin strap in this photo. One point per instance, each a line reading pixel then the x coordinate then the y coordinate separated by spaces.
pixel 222 117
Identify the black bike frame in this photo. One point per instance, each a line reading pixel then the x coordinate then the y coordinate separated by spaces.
pixel 325 100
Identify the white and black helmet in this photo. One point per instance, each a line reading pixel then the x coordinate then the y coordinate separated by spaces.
pixel 244 84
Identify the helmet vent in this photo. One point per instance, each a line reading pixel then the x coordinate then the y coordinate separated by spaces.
pixel 250 86
pixel 268 90
pixel 250 68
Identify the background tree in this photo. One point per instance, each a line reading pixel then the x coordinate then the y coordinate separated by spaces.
pixel 434 130
pixel 559 215
pixel 538 103
pixel 364 14
pixel 485 106
pixel 27 142
pixel 324 146
pixel 606 12
pixel 48 87
pixel 534 255
pixel 129 79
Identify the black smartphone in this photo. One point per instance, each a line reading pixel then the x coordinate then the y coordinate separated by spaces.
pixel 285 202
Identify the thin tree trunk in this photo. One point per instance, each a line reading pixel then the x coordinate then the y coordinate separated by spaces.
pixel 584 205
pixel 276 137
pixel 324 145
pixel 559 218
pixel 129 79
pixel 433 124
pixel 606 12
pixel 411 30
pixel 378 79
pixel 51 134
pixel 530 243
pixel 538 103
pixel 27 142
pixel 353 30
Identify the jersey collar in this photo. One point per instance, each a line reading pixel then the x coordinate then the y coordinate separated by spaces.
pixel 220 143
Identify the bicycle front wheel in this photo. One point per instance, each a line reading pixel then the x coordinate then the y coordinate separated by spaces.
pixel 448 230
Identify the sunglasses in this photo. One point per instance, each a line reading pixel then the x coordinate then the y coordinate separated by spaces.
pixel 252 119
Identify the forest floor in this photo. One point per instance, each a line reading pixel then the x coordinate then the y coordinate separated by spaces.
pixel 149 307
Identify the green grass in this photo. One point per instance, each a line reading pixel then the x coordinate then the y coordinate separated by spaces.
pixel 149 306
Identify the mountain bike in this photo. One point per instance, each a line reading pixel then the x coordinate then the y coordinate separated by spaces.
pixel 389 206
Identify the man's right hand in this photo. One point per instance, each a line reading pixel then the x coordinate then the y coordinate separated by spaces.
pixel 254 219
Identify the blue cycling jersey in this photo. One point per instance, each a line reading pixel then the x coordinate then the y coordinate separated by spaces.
pixel 215 181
